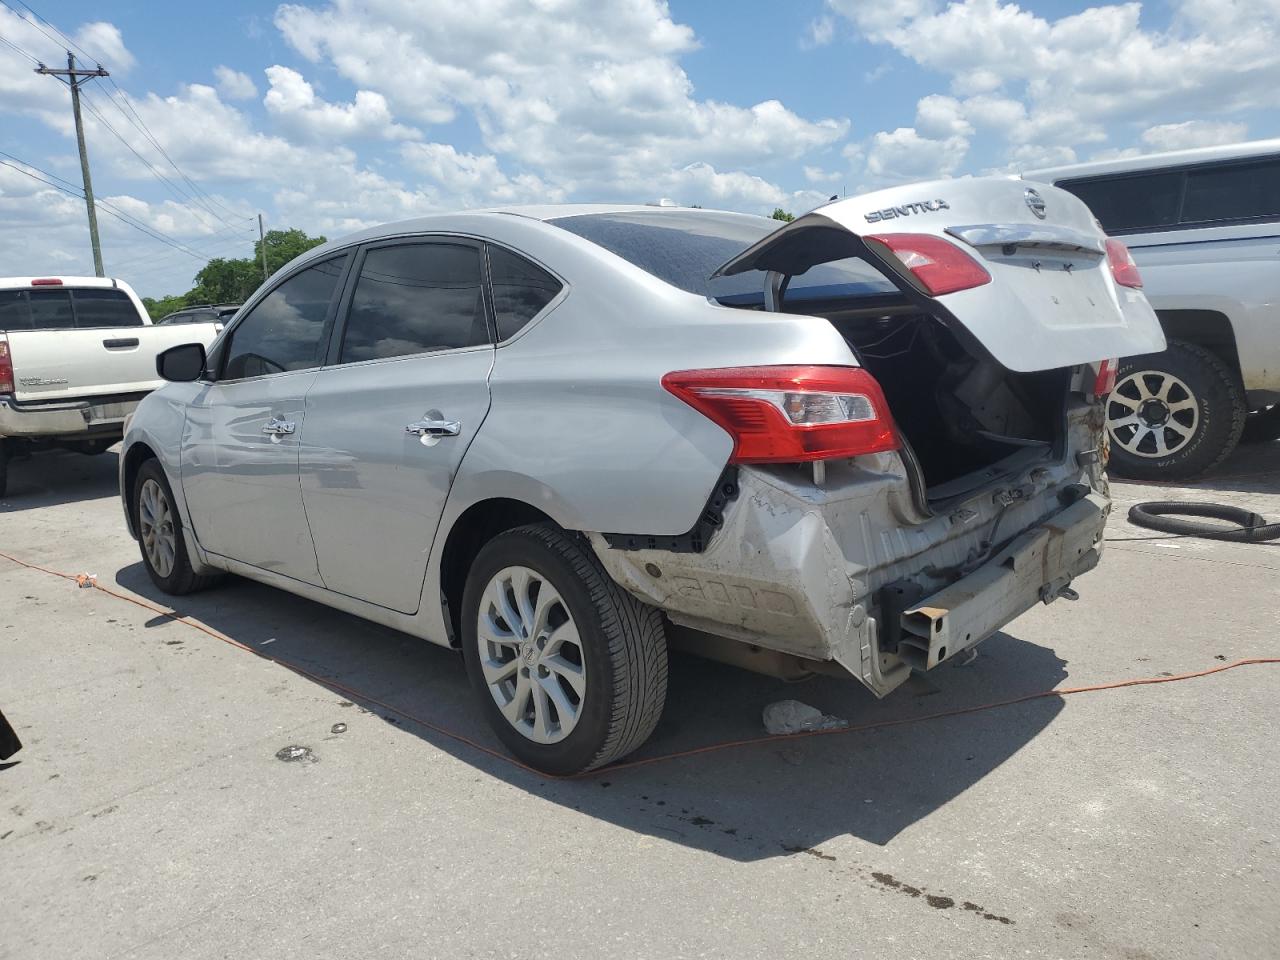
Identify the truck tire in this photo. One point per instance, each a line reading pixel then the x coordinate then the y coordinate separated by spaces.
pixel 1173 415
pixel 161 539
pixel 1262 425
pixel 570 669
pixel 4 466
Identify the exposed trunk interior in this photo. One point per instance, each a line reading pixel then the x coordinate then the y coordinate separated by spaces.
pixel 965 416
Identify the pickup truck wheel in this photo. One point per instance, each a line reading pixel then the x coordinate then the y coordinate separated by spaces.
pixel 571 670
pixel 4 467
pixel 160 534
pixel 1173 415
pixel 1262 425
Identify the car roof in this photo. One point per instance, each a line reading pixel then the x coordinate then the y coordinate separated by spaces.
pixel 21 282
pixel 1155 161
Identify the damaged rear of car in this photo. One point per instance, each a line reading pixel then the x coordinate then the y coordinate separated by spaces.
pixel 885 517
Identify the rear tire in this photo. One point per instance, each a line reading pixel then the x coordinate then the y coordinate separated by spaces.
pixel 579 678
pixel 1262 425
pixel 4 466
pixel 1173 415
pixel 161 538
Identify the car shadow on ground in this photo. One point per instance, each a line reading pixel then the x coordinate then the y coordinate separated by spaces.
pixel 49 478
pixel 744 803
pixel 1251 468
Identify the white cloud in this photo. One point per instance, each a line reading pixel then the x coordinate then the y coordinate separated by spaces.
pixel 818 175
pixel 235 85
pixel 820 32
pixel 904 155
pixel 1193 133
pixel 471 180
pixel 293 102
pixel 1051 85
pixel 104 41
pixel 555 94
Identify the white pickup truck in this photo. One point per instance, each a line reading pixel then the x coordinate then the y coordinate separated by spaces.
pixel 76 356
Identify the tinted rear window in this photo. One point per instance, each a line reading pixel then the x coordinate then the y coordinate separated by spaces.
pixel 1242 191
pixel 105 308
pixel 520 290
pixel 1131 203
pixel 685 247
pixel 415 298
pixel 61 308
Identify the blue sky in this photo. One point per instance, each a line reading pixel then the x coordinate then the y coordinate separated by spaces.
pixel 331 114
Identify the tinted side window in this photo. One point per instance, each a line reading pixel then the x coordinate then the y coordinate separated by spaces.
pixel 286 330
pixel 15 314
pixel 520 290
pixel 415 298
pixel 1242 191
pixel 105 308
pixel 1131 203
pixel 51 309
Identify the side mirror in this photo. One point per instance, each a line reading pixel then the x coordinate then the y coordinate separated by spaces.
pixel 181 364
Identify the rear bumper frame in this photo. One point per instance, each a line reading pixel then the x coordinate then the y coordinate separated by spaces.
pixel 79 419
pixel 800 569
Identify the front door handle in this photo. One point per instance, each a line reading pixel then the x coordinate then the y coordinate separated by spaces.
pixel 434 428
pixel 276 427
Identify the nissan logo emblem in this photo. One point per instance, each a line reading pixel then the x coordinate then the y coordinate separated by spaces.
pixel 1035 202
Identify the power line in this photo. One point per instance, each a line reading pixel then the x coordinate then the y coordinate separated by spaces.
pixel 141 124
pixel 107 207
pixel 13 46
pixel 178 192
pixel 65 40
pixel 135 119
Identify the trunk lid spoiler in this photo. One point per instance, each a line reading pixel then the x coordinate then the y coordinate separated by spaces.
pixel 1052 301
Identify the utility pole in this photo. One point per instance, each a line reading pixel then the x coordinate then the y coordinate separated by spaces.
pixel 75 79
pixel 262 244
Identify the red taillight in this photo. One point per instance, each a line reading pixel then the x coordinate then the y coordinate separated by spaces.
pixel 6 367
pixel 791 414
pixel 940 266
pixel 1105 381
pixel 47 282
pixel 1122 266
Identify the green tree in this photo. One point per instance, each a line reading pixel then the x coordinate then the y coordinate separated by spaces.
pixel 225 281
pixel 165 305
pixel 283 246
pixel 780 214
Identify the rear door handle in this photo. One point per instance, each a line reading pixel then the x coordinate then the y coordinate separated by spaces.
pixel 434 428
pixel 279 428
pixel 121 342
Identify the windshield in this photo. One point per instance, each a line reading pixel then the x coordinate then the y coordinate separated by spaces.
pixel 684 247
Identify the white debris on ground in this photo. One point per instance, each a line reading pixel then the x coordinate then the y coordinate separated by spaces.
pixel 792 716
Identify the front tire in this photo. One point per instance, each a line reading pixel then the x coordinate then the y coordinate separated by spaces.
pixel 160 535
pixel 570 669
pixel 1173 415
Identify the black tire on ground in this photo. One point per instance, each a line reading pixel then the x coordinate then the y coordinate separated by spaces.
pixel 180 579
pixel 94 447
pixel 1262 425
pixel 1219 406
pixel 623 648
pixel 4 466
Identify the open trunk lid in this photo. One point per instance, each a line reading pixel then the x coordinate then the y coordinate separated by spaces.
pixel 1051 302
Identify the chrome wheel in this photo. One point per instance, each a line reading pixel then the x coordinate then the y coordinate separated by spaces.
pixel 1151 413
pixel 155 520
pixel 530 655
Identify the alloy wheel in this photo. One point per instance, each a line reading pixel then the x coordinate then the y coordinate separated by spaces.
pixel 155 518
pixel 1151 414
pixel 531 655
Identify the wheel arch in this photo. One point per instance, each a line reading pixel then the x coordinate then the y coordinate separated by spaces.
pixel 1210 329
pixel 475 526
pixel 137 454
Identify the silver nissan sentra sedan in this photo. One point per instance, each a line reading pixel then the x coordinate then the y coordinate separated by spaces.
pixel 563 438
